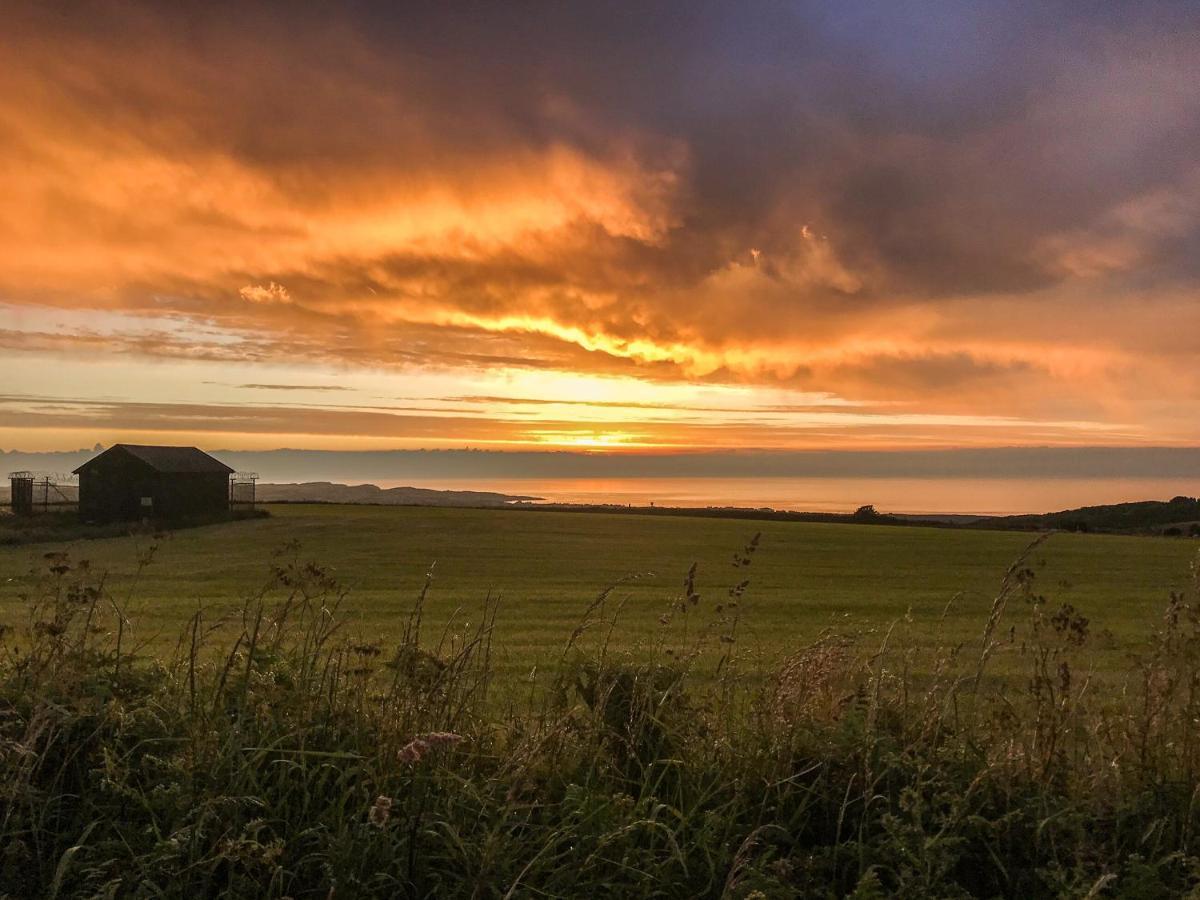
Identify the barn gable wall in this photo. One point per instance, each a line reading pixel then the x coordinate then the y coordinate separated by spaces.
pixel 111 489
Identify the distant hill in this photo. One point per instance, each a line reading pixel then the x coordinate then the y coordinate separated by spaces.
pixel 1180 515
pixel 327 492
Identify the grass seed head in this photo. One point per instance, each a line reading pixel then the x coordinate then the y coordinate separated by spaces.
pixel 380 811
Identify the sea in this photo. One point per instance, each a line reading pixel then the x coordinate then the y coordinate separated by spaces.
pixel 928 496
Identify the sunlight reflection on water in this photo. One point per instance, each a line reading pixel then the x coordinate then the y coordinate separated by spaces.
pixel 979 496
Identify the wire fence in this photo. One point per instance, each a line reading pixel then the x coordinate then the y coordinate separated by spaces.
pixel 41 492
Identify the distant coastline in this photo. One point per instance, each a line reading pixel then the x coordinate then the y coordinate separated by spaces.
pixel 329 492
pixel 1179 517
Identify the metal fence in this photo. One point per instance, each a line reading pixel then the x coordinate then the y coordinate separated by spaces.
pixel 42 492
pixel 242 490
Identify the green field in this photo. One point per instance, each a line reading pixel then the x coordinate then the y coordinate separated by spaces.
pixel 275 760
pixel 545 567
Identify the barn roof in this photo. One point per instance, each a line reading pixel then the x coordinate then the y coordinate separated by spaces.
pixel 167 459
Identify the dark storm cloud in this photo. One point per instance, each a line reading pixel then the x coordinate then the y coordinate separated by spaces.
pixel 938 144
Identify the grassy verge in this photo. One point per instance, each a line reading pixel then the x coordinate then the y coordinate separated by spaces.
pixel 65 526
pixel 297 759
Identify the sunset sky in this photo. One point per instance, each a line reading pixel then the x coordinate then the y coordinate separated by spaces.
pixel 631 227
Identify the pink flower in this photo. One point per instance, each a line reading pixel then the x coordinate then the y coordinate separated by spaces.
pixel 412 752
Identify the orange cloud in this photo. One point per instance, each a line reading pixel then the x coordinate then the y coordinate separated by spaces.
pixel 374 190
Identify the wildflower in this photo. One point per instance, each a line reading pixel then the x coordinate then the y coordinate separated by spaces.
pixel 380 811
pixel 412 752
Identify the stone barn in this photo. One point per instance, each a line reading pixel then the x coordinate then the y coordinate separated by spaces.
pixel 132 481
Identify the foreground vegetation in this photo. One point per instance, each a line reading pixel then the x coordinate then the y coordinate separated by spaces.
pixel 289 756
pixel 1177 517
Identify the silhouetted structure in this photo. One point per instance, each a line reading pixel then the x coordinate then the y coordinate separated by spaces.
pixel 242 490
pixel 132 481
pixel 40 492
pixel 21 486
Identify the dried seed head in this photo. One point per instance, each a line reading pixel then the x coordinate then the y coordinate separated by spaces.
pixel 380 811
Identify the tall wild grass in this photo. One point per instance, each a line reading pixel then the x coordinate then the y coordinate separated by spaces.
pixel 278 755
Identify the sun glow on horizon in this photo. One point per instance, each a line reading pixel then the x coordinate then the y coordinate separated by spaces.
pixel 591 440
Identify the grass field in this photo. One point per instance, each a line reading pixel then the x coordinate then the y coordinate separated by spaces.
pixel 280 757
pixel 546 567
